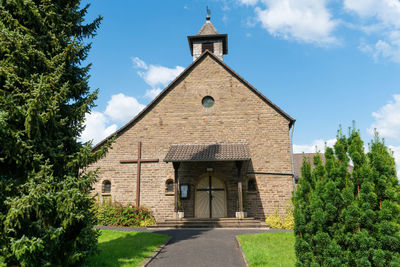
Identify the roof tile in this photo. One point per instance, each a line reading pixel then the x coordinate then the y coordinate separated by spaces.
pixel 208 152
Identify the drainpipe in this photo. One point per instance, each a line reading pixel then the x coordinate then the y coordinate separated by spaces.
pixel 291 156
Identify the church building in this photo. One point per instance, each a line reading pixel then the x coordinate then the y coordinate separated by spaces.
pixel 210 145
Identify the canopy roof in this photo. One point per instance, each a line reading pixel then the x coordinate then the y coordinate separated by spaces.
pixel 208 152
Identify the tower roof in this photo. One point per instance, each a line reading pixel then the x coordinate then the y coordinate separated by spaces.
pixel 207 29
pixel 208 32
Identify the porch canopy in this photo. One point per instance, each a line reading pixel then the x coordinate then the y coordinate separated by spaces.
pixel 238 152
pixel 208 152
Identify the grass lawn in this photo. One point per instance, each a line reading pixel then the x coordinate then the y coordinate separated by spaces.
pixel 126 248
pixel 269 249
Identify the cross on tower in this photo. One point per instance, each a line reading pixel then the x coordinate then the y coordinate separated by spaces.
pixel 139 162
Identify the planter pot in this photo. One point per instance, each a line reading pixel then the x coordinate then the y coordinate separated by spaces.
pixel 181 214
pixel 241 214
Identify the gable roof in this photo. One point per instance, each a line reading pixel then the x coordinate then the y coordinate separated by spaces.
pixel 177 79
pixel 298 162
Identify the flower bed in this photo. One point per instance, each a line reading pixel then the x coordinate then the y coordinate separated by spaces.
pixel 116 214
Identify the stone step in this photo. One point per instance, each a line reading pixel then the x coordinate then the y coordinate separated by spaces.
pixel 257 225
pixel 213 219
pixel 212 223
pixel 203 222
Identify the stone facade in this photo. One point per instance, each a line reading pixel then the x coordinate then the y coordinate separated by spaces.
pixel 177 116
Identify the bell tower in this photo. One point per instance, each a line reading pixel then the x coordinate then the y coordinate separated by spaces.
pixel 208 38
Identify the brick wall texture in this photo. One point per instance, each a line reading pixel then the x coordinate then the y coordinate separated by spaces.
pixel 238 115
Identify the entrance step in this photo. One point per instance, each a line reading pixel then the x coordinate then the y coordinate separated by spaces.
pixel 211 223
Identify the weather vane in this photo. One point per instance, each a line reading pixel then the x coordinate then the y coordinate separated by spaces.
pixel 208 13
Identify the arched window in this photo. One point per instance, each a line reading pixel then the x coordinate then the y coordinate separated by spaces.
pixel 169 186
pixel 106 187
pixel 251 185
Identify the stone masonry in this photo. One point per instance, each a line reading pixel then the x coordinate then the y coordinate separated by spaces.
pixel 217 48
pixel 178 117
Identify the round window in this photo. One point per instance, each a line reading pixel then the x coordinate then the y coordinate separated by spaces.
pixel 207 102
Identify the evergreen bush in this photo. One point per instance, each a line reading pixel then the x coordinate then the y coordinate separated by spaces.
pixel 348 215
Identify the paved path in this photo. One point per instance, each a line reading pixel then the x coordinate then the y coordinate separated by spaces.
pixel 199 247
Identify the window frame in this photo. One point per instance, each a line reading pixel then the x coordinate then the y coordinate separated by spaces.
pixel 252 189
pixel 106 183
pixel 171 182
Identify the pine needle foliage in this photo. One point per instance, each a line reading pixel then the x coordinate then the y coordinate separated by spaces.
pixel 46 217
pixel 348 216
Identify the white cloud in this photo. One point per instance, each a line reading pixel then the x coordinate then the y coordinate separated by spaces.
pixel 160 75
pixel 156 75
pixel 99 125
pixel 307 21
pixel 386 12
pixel 316 145
pixel 249 2
pixel 380 17
pixel 387 123
pixel 388 49
pixel 387 120
pixel 140 64
pixel 122 108
pixel 362 8
pixel 152 93
pixel 396 154
pixel 96 129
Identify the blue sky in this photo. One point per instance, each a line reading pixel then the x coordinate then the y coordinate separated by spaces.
pixel 325 62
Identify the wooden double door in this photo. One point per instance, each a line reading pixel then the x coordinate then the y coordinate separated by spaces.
pixel 210 201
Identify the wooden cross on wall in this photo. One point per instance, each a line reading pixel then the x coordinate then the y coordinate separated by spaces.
pixel 139 162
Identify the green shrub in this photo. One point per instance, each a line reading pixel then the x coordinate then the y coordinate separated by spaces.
pixel 286 222
pixel 116 214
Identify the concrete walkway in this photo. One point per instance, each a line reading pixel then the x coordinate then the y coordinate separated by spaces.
pixel 199 247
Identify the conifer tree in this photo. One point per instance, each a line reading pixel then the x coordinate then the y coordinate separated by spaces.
pixel 386 206
pixel 353 218
pixel 45 205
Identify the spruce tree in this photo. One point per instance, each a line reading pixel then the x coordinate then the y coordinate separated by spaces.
pixel 45 202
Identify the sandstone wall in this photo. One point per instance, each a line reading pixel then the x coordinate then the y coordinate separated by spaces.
pixel 238 115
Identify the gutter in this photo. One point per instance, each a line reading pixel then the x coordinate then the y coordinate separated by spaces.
pixel 291 156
